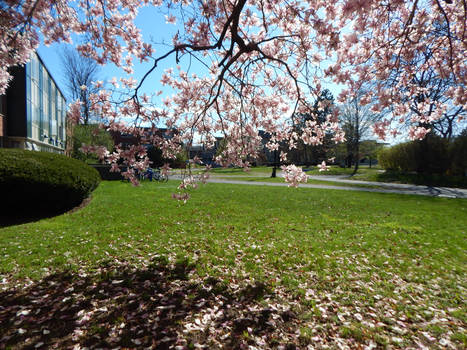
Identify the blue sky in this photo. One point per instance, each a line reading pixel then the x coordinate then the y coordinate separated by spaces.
pixel 155 30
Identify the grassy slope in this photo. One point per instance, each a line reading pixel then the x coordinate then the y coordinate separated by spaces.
pixel 397 257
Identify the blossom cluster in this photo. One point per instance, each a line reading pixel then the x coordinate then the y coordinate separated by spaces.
pixel 294 175
pixel 263 62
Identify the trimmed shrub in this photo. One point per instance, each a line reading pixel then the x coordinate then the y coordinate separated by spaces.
pixel 396 158
pixel 428 156
pixel 33 181
pixel 458 151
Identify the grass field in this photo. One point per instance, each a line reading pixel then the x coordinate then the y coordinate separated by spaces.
pixel 238 266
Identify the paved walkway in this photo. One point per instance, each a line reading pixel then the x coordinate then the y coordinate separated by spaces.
pixel 383 187
pixel 400 188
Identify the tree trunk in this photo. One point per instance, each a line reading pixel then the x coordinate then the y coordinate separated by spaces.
pixel 356 167
pixel 357 147
pixel 275 165
pixel 274 171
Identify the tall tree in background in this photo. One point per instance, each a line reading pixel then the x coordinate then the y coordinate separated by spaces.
pixel 81 76
pixel 313 149
pixel 356 121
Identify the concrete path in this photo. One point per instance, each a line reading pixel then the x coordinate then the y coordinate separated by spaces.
pixel 400 188
pixel 411 189
pixel 383 187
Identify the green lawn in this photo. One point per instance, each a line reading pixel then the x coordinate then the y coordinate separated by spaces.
pixel 239 265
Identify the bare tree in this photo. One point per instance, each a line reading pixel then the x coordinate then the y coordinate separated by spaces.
pixel 425 102
pixel 433 89
pixel 80 73
pixel 356 120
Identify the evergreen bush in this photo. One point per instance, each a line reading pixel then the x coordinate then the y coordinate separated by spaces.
pixel 31 180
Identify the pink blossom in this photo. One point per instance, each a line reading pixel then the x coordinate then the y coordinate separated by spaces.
pixel 323 166
pixel 165 169
pixel 74 112
pixel 170 19
pixel 294 175
pixel 418 133
pixel 181 196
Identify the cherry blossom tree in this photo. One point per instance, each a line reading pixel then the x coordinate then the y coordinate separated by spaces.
pixel 262 60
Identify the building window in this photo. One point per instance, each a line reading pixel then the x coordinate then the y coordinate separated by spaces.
pixel 45 102
pixel 45 105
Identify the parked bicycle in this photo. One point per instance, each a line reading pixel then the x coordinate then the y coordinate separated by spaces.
pixel 152 174
pixel 159 176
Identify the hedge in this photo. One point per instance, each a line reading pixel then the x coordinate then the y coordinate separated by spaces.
pixel 31 180
pixel 432 155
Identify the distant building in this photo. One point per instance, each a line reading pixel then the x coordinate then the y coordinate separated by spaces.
pixel 127 140
pixel 33 111
pixel 206 155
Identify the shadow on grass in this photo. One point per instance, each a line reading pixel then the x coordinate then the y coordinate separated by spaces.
pixel 10 216
pixel 119 306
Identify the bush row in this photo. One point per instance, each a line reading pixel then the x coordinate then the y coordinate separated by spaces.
pixel 432 155
pixel 32 180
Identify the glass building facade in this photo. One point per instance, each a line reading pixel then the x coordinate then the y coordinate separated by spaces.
pixel 34 110
pixel 46 106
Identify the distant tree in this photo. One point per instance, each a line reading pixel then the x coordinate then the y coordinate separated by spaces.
pixel 90 134
pixel 458 151
pixel 81 76
pixel 430 101
pixel 356 121
pixel 369 149
pixel 313 152
pixel 157 160
pixel 155 156
pixel 427 156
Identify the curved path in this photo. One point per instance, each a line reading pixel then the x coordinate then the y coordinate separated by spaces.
pixel 398 188
pixel 382 187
